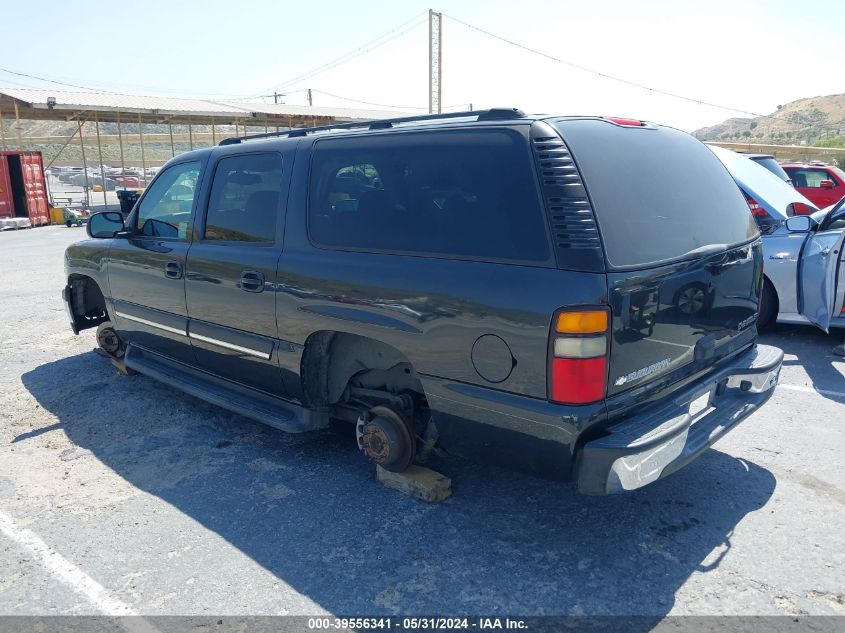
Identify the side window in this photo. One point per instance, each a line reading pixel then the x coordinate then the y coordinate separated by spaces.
pixel 451 193
pixel 244 201
pixel 165 210
pixel 836 220
pixel 810 178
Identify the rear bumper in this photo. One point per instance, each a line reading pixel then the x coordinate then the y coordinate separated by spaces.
pixel 645 447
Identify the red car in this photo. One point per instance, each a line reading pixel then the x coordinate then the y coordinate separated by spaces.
pixel 128 181
pixel 823 184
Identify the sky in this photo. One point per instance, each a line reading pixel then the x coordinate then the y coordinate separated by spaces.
pixel 752 55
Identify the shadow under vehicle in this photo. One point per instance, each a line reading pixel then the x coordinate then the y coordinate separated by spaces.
pixel 310 512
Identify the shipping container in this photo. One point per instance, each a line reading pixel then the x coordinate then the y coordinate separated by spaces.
pixel 23 190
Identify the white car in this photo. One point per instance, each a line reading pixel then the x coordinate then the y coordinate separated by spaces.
pixel 804 268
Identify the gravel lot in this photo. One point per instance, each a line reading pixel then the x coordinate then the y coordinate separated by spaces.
pixel 172 506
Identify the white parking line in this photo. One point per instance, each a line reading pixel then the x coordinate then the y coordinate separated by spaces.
pixel 823 392
pixel 70 574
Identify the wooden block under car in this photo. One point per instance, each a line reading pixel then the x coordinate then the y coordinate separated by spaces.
pixel 418 482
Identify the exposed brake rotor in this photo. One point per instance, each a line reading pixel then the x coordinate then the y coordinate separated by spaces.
pixel 386 438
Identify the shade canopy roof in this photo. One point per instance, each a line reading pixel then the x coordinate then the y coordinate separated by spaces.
pixel 60 105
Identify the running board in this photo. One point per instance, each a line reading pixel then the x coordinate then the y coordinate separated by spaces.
pixel 259 406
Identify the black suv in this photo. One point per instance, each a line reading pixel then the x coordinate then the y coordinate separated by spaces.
pixel 573 295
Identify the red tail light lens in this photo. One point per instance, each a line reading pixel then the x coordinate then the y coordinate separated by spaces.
pixel 578 350
pixel 756 209
pixel 578 381
pixel 625 122
pixel 799 208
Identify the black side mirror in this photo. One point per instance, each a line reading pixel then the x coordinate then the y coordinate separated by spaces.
pixel 105 224
pixel 795 224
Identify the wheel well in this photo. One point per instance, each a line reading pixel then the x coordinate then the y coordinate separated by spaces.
pixel 767 314
pixel 774 290
pixel 346 370
pixel 87 302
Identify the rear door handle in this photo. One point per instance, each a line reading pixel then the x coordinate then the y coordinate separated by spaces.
pixel 252 281
pixel 173 270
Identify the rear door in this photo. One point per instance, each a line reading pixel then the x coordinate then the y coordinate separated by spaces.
pixel 683 257
pixel 231 270
pixel 817 276
pixel 36 188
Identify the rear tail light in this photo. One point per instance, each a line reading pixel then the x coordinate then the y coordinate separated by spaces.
pixel 756 209
pixel 799 208
pixel 578 348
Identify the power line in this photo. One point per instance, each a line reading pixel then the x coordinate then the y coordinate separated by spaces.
pixel 18 73
pixel 381 105
pixel 361 50
pixel 51 81
pixel 613 77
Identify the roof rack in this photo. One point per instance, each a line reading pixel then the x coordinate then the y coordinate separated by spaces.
pixel 492 114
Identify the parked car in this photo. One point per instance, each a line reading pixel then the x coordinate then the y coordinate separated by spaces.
pixel 823 184
pixel 802 253
pixel 128 181
pixel 441 280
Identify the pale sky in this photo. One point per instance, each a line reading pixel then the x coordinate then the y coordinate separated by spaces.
pixel 747 54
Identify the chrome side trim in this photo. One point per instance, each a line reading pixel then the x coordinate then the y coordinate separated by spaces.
pixel 232 346
pixel 159 326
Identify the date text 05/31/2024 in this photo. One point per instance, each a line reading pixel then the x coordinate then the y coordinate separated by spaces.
pixel 416 624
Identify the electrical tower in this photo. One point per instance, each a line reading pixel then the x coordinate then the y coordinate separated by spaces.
pixel 435 59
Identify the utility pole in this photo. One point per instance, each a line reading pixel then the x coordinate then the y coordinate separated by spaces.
pixel 310 101
pixel 435 58
pixel 275 97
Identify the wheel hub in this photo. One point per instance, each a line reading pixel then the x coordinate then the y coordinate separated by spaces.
pixel 386 438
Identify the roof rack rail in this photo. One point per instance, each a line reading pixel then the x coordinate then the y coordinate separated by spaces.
pixel 382 124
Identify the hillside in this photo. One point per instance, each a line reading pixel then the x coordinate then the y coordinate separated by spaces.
pixel 810 121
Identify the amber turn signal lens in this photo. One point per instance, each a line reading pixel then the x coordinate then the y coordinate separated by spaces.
pixel 588 322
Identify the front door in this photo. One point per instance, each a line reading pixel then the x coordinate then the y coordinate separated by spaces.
pixel 231 270
pixel 147 269
pixel 817 273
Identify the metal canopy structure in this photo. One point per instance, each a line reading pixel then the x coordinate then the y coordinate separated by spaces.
pixel 90 107
pixel 59 105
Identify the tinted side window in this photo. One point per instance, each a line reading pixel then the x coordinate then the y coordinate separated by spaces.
pixel 452 193
pixel 244 200
pixel 165 210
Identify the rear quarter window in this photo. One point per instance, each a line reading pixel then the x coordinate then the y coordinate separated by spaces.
pixel 657 193
pixel 454 194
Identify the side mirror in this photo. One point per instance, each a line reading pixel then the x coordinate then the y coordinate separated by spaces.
pixel 795 224
pixel 826 184
pixel 105 224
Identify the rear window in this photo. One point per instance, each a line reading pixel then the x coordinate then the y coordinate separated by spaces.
pixel 773 166
pixel 450 194
pixel 658 194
